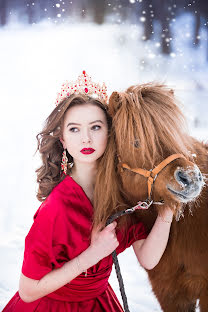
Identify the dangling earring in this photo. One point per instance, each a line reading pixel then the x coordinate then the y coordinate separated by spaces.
pixel 64 162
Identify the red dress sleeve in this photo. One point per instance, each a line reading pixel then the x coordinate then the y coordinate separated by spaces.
pixel 38 254
pixel 135 232
pixel 127 237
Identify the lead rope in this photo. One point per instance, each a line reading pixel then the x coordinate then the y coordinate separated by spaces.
pixel 140 205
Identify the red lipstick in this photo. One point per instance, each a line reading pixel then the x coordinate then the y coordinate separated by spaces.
pixel 87 151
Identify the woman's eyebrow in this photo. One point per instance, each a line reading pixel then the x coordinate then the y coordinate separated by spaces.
pixel 73 123
pixel 77 124
pixel 96 121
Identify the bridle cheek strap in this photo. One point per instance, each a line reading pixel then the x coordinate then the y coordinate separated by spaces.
pixel 153 173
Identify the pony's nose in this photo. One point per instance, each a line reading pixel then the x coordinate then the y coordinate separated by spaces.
pixel 188 178
pixel 182 178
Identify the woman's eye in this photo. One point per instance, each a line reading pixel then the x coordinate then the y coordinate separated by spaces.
pixel 74 129
pixel 96 127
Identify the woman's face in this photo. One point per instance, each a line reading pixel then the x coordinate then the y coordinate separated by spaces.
pixel 85 133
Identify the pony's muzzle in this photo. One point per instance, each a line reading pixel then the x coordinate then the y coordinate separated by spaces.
pixel 191 183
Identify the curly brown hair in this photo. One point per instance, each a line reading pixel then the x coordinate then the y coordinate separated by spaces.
pixel 49 174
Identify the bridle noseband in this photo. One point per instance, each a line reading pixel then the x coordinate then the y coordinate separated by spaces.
pixel 152 173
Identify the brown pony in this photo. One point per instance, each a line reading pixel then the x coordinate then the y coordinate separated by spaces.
pixel 148 127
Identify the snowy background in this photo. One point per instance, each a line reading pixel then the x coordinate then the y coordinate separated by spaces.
pixel 34 61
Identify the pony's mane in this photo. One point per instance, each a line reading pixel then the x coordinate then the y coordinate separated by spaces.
pixel 107 194
pixel 151 124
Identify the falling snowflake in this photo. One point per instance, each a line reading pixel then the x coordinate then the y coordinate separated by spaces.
pixel 151 55
pixel 142 19
pixel 58 5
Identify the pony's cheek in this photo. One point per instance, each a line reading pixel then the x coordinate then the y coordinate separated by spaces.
pixel 160 190
pixel 135 186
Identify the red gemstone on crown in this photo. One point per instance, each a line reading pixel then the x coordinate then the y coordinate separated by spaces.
pixel 86 90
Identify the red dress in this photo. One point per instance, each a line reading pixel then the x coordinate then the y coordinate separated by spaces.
pixel 60 232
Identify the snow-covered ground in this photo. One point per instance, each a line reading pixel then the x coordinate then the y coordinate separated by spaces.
pixel 34 62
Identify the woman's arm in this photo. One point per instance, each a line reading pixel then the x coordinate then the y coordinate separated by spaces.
pixel 31 290
pixel 150 250
pixel 102 244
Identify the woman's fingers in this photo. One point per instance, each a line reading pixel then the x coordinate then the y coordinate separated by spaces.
pixel 104 241
pixel 111 226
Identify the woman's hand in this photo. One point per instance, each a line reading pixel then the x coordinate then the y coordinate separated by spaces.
pixel 104 242
pixel 166 215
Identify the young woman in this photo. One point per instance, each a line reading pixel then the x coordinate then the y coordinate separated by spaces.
pixel 67 260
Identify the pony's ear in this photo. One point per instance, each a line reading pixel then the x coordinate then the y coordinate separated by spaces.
pixel 114 103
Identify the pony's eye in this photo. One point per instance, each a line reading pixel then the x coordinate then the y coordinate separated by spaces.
pixel 136 143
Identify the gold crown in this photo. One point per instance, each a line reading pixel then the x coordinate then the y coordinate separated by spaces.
pixel 83 85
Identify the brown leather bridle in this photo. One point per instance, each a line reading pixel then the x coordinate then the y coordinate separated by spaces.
pixel 153 173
